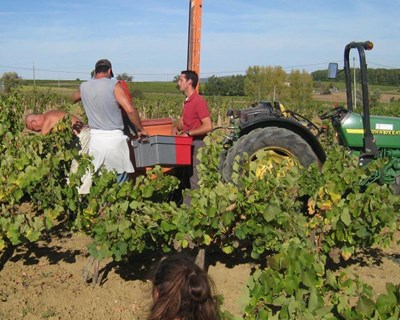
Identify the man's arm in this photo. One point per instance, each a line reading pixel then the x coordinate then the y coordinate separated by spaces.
pixel 47 126
pixel 205 127
pixel 178 126
pixel 76 96
pixel 130 110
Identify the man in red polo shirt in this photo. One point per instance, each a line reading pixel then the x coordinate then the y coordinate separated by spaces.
pixel 194 122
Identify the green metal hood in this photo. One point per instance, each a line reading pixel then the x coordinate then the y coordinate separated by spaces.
pixel 386 131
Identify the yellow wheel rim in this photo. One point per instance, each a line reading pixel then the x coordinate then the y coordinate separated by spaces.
pixel 265 160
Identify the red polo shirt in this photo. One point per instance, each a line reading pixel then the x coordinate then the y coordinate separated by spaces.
pixel 194 110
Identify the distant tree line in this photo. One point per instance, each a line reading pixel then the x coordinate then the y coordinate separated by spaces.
pixel 384 77
pixel 273 83
pixel 259 82
pixel 263 83
pixel 225 86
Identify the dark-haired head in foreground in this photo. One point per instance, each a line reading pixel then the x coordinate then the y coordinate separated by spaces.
pixel 182 291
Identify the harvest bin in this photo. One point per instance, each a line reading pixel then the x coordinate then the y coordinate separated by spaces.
pixel 159 126
pixel 163 150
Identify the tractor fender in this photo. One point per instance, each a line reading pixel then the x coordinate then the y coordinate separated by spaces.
pixel 289 124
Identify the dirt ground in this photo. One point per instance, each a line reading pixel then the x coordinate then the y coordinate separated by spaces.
pixel 44 281
pixel 340 97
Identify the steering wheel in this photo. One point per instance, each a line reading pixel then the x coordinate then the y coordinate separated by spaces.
pixel 331 113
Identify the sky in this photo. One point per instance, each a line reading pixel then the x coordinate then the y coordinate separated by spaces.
pixel 58 39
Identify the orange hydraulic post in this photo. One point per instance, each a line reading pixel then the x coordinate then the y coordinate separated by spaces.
pixel 194 36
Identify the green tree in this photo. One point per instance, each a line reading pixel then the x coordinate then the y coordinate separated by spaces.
pixel 10 80
pixel 254 83
pixel 279 90
pixel 225 86
pixel 176 78
pixel 263 83
pixel 301 87
pixel 213 86
pixel 124 76
pixel 235 85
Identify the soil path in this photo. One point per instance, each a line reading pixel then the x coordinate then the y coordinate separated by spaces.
pixel 44 281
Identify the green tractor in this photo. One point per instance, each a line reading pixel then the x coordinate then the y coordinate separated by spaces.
pixel 287 136
pixel 270 134
pixel 370 137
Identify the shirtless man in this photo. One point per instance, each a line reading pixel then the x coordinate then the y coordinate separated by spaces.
pixel 44 122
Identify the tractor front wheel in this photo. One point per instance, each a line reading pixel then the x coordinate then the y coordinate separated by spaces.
pixel 277 145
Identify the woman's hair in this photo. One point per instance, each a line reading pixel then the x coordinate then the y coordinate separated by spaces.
pixel 182 291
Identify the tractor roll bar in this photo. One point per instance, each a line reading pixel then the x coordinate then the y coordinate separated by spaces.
pixel 369 145
pixel 360 46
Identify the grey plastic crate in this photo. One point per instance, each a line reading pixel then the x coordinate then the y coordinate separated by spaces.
pixel 162 150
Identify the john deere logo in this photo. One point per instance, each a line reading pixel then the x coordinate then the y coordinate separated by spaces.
pixel 375 131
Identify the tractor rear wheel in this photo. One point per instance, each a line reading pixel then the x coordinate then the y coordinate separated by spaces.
pixel 279 145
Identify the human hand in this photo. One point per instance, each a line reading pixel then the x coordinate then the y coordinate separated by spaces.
pixel 142 133
pixel 174 131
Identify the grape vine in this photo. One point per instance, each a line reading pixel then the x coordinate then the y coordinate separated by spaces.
pixel 300 218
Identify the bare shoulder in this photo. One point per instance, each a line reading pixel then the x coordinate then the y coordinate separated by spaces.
pixel 55 114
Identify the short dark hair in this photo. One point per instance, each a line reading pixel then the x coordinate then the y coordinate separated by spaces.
pixel 191 75
pixel 103 65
